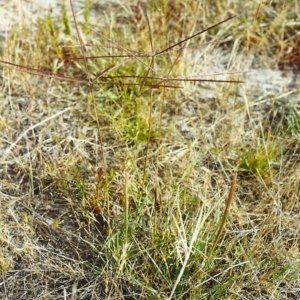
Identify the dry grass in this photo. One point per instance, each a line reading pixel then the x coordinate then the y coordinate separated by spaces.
pixel 115 168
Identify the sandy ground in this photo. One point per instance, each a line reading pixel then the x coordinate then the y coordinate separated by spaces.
pixel 15 11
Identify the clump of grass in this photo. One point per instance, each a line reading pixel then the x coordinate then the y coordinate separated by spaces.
pixel 260 159
pixel 118 188
pixel 293 121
